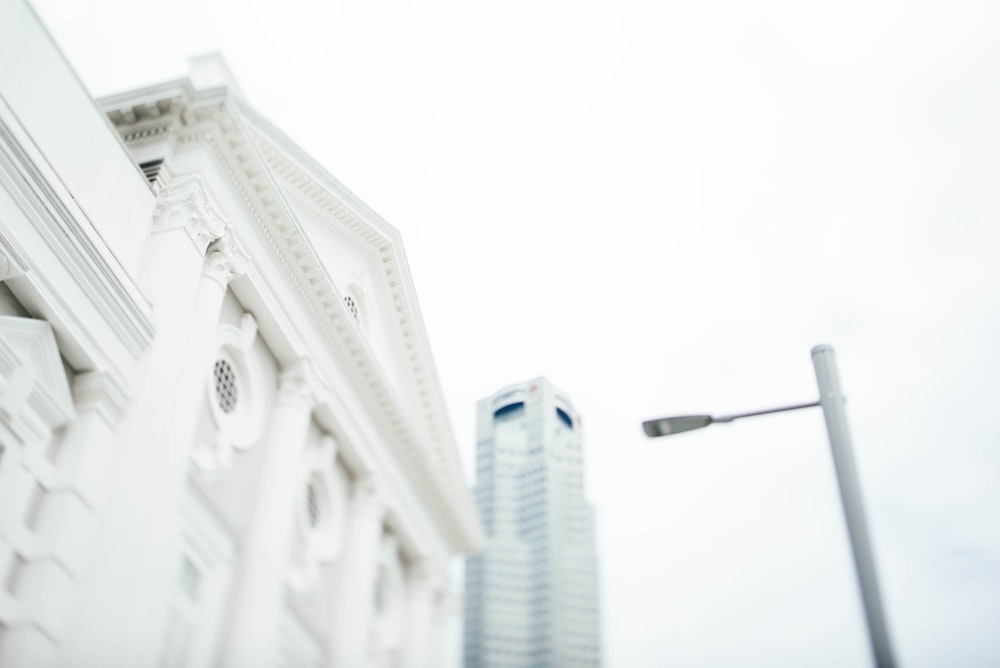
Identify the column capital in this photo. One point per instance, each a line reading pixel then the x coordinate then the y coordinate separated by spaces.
pixel 447 603
pixel 184 204
pixel 367 496
pixel 421 573
pixel 225 259
pixel 299 385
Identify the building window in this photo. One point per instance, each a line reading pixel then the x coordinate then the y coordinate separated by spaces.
pixel 321 514
pixel 509 412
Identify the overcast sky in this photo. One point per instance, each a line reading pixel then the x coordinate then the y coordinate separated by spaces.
pixel 662 206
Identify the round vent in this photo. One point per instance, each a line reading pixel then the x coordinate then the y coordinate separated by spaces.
pixel 352 306
pixel 226 390
pixel 312 505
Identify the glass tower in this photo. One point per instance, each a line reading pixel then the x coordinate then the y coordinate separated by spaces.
pixel 532 594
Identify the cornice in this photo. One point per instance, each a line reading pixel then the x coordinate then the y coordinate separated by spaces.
pixel 94 268
pixel 310 207
pixel 382 250
pixel 378 247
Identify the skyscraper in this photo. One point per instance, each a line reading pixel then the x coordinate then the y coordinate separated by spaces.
pixel 532 594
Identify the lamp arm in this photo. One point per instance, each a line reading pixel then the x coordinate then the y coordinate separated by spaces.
pixel 783 409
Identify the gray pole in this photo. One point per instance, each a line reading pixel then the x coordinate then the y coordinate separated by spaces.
pixel 832 400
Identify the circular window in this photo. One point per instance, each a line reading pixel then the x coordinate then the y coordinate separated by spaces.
pixel 226 388
pixel 389 591
pixel 321 512
pixel 231 396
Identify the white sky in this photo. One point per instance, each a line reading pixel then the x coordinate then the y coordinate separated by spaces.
pixel 662 206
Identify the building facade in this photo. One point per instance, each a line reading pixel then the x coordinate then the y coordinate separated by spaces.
pixel 222 437
pixel 532 594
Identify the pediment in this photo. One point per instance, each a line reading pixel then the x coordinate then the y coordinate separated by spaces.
pixel 325 209
pixel 360 251
pixel 328 241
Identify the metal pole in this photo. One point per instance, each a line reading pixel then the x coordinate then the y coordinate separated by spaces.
pixel 832 400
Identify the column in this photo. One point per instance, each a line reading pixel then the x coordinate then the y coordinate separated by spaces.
pixel 443 636
pixel 224 261
pixel 184 224
pixel 258 592
pixel 354 594
pixel 420 592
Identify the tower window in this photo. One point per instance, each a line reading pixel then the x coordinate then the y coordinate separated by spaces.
pixel 508 411
pixel 564 416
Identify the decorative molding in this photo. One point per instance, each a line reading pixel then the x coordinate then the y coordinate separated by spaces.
pixel 410 336
pixel 101 392
pixel 299 386
pixel 61 223
pixel 221 125
pixel 225 260
pixel 31 343
pixel 367 497
pixel 11 263
pixel 185 204
pixel 146 133
pixel 15 390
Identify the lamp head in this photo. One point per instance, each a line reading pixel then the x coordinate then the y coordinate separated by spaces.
pixel 675 425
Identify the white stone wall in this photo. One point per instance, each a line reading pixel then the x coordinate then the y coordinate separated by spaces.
pixel 206 460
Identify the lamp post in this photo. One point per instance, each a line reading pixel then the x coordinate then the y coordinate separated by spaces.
pixel 831 399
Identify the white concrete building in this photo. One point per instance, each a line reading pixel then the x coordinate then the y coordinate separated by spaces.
pixel 532 595
pixel 223 438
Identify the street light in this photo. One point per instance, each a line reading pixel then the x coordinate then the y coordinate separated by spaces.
pixel 831 399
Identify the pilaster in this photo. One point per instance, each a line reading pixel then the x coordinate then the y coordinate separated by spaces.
pixel 350 634
pixel 257 602
pixel 225 261
pixel 421 586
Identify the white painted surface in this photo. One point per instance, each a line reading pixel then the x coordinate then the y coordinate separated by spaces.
pixel 150 467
